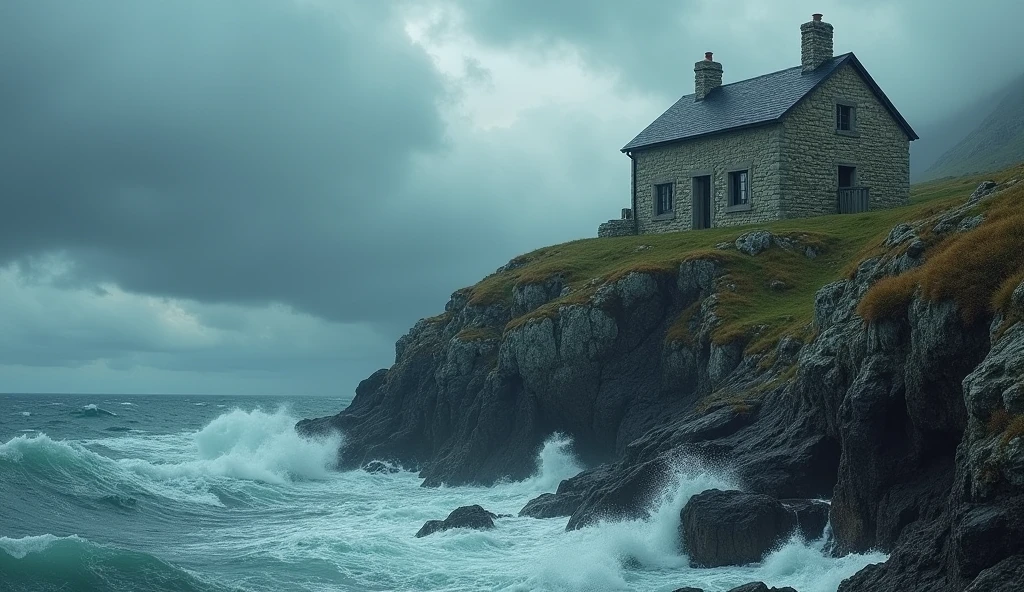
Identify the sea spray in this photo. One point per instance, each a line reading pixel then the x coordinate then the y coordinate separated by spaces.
pixel 555 462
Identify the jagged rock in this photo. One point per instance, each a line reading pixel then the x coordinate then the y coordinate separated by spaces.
pixel 1005 576
pixel 900 234
pixel 529 297
pixel 627 497
pixel 984 188
pixel 380 466
pixel 760 587
pixel 970 223
pixel 465 517
pixel 732 527
pixel 916 248
pixel 811 516
pixel 551 505
pixel 754 242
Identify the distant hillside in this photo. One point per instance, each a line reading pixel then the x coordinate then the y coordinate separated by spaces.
pixel 997 142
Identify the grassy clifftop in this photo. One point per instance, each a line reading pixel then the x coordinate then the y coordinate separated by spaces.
pixel 773 292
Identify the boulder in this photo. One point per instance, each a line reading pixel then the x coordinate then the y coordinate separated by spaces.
pixel 465 517
pixel 760 587
pixel 688 589
pixel 754 242
pixel 732 527
pixel 984 188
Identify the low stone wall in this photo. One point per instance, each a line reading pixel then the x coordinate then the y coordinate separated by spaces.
pixel 616 228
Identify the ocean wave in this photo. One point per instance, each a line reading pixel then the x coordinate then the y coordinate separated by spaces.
pixel 93 410
pixel 25 413
pixel 200 467
pixel 48 562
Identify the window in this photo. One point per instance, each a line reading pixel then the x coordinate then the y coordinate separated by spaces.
pixel 739 188
pixel 844 118
pixel 663 199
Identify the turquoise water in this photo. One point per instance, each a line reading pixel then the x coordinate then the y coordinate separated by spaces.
pixel 143 493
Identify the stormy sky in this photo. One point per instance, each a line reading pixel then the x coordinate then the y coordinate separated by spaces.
pixel 260 196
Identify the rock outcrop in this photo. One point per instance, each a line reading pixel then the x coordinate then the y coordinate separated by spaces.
pixel 474 517
pixel 912 422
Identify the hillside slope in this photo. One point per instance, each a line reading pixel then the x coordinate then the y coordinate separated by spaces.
pixel 876 359
pixel 997 142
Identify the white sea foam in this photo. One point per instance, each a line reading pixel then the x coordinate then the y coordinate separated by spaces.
pixel 26 414
pixel 20 547
pixel 252 445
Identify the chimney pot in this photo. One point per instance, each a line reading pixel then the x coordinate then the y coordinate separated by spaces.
pixel 707 56
pixel 817 17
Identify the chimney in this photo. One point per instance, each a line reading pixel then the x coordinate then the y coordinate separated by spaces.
pixel 815 43
pixel 707 75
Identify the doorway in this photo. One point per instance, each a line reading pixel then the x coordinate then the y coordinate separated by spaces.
pixel 847 176
pixel 702 202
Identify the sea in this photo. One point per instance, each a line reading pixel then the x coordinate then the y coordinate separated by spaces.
pixel 213 493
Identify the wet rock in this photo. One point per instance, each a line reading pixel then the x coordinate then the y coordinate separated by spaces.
pixel 688 589
pixel 732 527
pixel 465 517
pixel 760 587
pixel 754 242
pixel 552 505
pixel 1005 576
pixel 380 466
pixel 625 497
pixel 811 516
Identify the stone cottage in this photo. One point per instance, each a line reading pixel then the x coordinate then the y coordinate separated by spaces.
pixel 819 138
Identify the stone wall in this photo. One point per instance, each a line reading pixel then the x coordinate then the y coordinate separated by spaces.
pixel 616 228
pixel 757 148
pixel 812 149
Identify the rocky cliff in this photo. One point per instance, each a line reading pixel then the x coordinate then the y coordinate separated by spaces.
pixel 900 397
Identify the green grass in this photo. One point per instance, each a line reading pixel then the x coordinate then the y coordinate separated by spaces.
pixel 842 241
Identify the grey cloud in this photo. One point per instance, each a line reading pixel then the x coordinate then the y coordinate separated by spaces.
pixel 223 151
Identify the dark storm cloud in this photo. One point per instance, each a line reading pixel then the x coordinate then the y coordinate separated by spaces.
pixel 222 151
pixel 930 57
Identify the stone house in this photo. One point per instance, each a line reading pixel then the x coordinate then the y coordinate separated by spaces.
pixel 819 138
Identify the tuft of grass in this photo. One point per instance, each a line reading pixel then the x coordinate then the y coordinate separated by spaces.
pixel 680 329
pixel 1002 296
pixel 1014 430
pixel 998 421
pixel 888 298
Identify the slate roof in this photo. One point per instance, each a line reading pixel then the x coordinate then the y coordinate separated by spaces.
pixel 747 103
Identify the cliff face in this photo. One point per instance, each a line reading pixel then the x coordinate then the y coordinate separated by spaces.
pixel 904 403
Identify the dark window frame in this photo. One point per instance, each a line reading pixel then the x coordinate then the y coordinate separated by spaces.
pixel 738 179
pixel 845 118
pixel 664 195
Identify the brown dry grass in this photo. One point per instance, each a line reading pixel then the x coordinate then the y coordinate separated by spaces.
pixel 971 268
